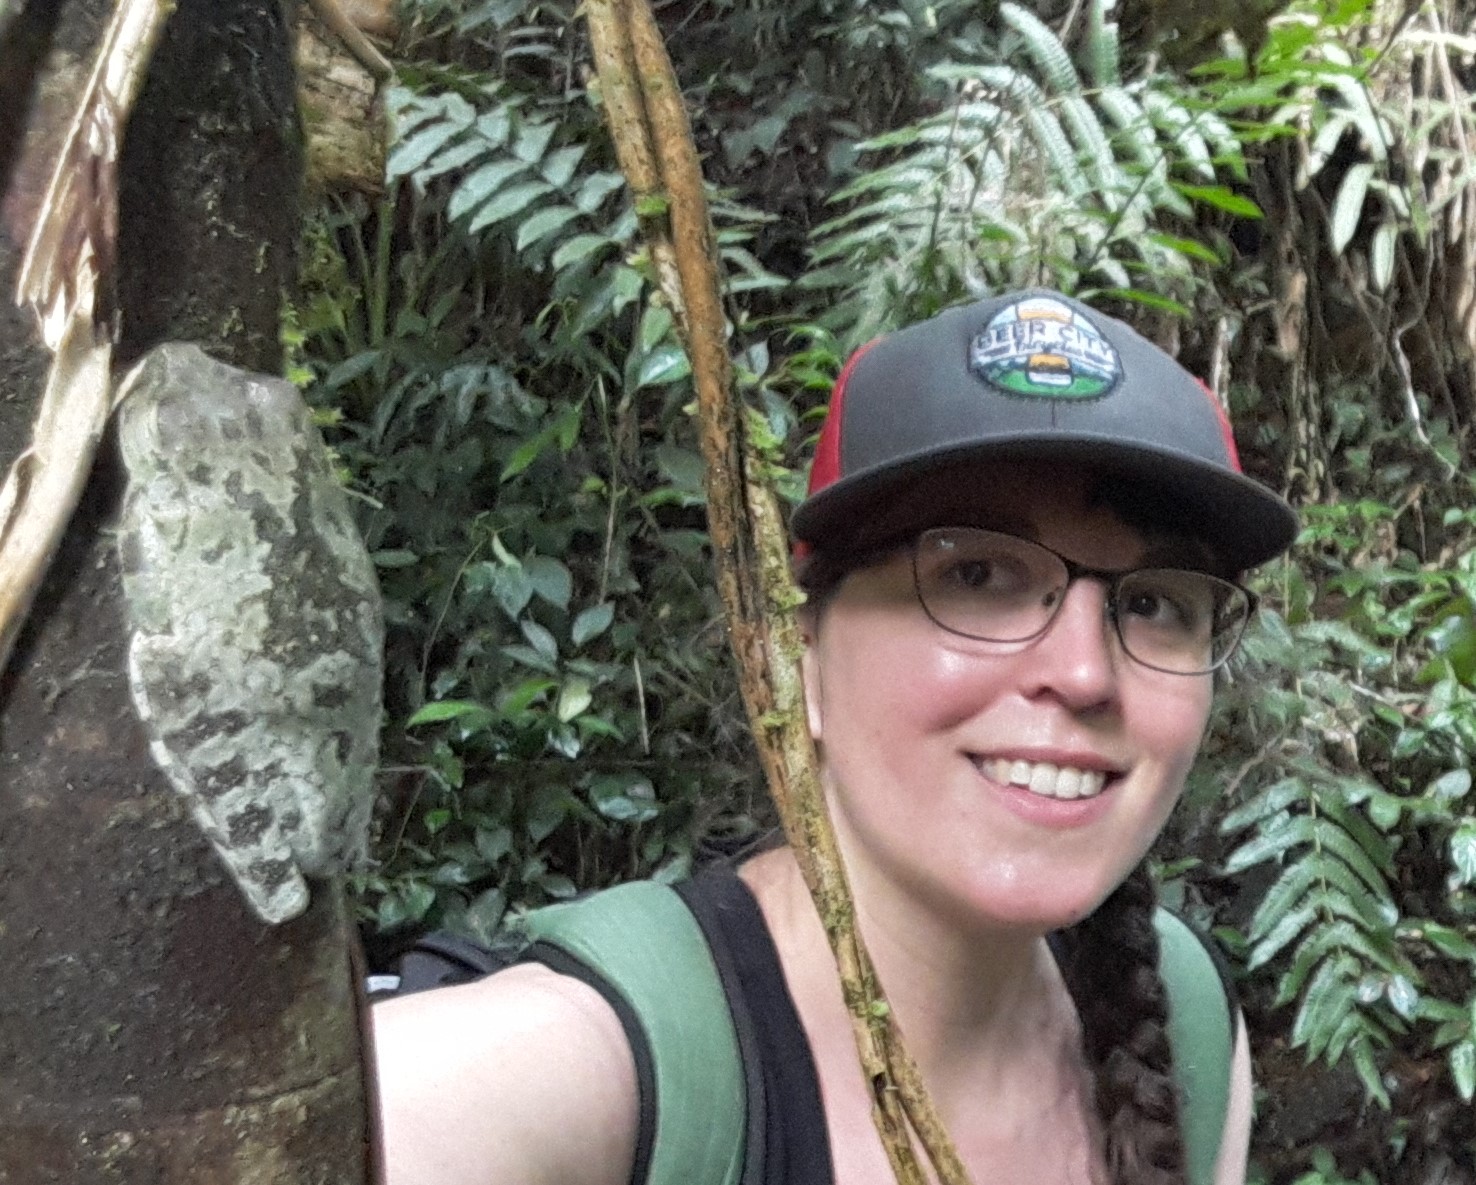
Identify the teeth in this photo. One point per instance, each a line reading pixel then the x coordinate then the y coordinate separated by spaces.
pixel 1046 779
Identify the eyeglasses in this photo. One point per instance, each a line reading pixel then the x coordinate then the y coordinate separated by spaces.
pixel 1001 588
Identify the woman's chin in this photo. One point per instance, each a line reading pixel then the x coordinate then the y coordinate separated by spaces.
pixel 1036 908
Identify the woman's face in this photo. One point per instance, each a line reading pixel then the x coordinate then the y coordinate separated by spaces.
pixel 1010 784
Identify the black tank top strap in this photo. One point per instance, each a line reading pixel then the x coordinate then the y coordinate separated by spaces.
pixel 788 1143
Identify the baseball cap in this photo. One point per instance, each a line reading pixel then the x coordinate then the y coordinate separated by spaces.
pixel 1031 375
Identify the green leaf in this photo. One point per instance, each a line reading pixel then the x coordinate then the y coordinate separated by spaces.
pixel 455 157
pixel 652 205
pixel 1270 801
pixel 1463 852
pixel 558 886
pixel 578 249
pixel 524 695
pixel 532 141
pixel 1329 997
pixel 1045 48
pixel 656 326
pixel 350 369
pixel 1463 1068
pixel 1368 1073
pixel 558 166
pixel 1286 929
pixel 551 580
pixel 574 699
pixel 513 588
pixel 479 185
pixel 411 154
pixel 1403 996
pixel 1385 809
pixel 595 189
pixel 526 453
pixel 1151 300
pixel 447 709
pixel 540 639
pixel 513 200
pixel 1447 941
pixel 549 807
pixel 1348 205
pixel 1450 786
pixel 665 364
pixel 1193 248
pixel 495 126
pixel 592 622
pixel 1103 56
pixel 1381 255
pixel 542 224
pixel 493 843
pixel 1221 198
pixel 531 657
pixel 1272 842
pixel 623 798
pixel 484 915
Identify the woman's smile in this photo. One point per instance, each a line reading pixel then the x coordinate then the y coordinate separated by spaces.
pixel 1046 779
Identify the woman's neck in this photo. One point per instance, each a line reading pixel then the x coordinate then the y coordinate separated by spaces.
pixel 964 998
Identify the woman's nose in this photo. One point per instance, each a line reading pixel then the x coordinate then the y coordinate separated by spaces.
pixel 1078 656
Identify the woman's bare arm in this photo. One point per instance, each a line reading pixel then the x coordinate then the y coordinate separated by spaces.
pixel 524 1078
pixel 1235 1142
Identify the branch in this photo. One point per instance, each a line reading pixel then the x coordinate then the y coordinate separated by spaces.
pixel 353 38
pixel 65 278
pixel 654 143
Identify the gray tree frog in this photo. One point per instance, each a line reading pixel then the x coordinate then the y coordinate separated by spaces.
pixel 256 630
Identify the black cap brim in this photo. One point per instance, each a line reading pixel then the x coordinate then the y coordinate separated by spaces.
pixel 1242 522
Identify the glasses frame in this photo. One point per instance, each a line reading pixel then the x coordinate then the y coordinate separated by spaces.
pixel 1110 578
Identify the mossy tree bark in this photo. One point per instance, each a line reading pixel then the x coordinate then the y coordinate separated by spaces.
pixel 151 1030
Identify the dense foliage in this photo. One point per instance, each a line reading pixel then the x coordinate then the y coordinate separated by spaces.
pixel 510 405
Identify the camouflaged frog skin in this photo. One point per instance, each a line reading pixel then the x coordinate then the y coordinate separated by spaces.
pixel 256 629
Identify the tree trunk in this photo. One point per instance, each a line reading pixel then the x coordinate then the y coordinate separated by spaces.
pixel 151 1030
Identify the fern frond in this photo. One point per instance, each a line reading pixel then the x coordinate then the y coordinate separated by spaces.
pixel 1182 126
pixel 1093 145
pixel 1103 50
pixel 1030 102
pixel 1044 48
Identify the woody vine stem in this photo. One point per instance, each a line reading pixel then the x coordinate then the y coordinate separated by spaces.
pixel 653 141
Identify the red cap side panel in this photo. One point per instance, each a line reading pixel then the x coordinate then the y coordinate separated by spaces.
pixel 1225 429
pixel 825 470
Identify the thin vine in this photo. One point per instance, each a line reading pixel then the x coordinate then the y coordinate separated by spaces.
pixel 654 144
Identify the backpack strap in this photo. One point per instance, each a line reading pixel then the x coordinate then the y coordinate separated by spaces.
pixel 643 941
pixel 1202 1034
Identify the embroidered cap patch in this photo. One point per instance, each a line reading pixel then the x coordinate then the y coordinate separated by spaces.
pixel 1041 348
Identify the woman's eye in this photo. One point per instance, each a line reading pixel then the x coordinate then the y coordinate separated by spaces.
pixel 973 574
pixel 1165 608
pixel 984 576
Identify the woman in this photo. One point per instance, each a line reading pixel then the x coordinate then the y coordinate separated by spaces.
pixel 1021 543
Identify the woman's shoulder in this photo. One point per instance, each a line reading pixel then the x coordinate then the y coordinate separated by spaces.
pixel 525 1075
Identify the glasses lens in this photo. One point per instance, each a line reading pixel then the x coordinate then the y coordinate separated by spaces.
pixel 1185 622
pixel 985 585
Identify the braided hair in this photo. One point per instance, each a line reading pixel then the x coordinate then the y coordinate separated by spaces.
pixel 1111 970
